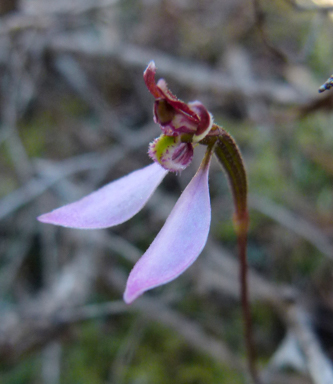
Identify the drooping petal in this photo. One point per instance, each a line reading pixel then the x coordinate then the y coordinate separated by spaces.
pixel 112 204
pixel 179 242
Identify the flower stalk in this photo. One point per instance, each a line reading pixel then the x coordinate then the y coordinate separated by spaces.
pixel 229 156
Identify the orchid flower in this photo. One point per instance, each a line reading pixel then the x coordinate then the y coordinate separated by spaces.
pixel 185 232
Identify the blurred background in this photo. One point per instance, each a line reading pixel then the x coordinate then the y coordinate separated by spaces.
pixel 75 114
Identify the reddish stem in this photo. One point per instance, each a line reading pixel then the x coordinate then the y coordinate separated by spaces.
pixel 246 307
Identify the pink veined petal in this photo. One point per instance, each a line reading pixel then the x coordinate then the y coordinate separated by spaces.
pixel 112 204
pixel 179 242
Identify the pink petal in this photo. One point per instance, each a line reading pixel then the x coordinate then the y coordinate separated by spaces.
pixel 113 204
pixel 179 242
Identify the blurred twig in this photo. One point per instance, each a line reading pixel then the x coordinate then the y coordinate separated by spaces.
pixel 314 7
pixel 294 223
pixel 260 23
pixel 318 364
pixel 195 75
